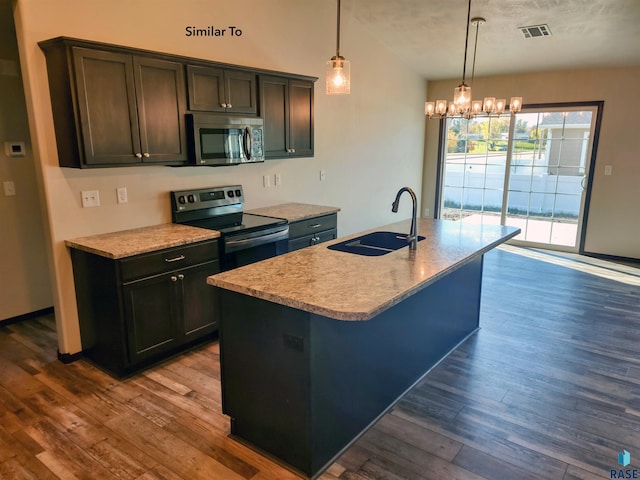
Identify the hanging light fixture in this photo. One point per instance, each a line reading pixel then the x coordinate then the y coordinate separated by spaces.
pixel 338 76
pixel 463 104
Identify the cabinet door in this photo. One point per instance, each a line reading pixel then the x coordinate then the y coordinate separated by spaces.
pixel 161 100
pixel 240 88
pixel 300 118
pixel 274 108
pixel 151 316
pixel 200 308
pixel 206 89
pixel 106 107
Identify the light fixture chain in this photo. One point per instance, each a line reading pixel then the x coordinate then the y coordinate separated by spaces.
pixel 475 49
pixel 466 43
pixel 338 33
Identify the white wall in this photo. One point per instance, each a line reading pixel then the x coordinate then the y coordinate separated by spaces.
pixel 24 281
pixel 370 143
pixel 614 220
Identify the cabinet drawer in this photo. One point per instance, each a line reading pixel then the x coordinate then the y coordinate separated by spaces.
pixel 167 260
pixel 312 225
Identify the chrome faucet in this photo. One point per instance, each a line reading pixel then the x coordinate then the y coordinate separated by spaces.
pixel 413 235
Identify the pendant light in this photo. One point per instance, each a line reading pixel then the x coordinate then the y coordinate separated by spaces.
pixel 463 104
pixel 338 77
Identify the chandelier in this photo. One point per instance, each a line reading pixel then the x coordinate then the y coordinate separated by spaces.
pixel 463 104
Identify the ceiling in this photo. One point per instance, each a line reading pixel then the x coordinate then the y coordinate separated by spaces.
pixel 429 35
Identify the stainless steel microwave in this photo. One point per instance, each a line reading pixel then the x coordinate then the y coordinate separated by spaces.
pixel 215 139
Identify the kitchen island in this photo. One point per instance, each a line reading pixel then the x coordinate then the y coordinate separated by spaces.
pixel 317 344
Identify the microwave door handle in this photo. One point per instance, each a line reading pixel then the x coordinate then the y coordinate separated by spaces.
pixel 247 146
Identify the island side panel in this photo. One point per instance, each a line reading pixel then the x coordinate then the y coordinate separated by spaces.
pixel 360 368
pixel 264 365
pixel 301 386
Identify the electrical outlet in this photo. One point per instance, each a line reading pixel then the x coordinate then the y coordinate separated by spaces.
pixel 427 212
pixel 266 181
pixel 121 193
pixel 90 198
pixel 323 175
pixel 608 169
pixel 277 178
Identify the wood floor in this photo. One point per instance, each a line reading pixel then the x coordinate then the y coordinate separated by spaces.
pixel 548 389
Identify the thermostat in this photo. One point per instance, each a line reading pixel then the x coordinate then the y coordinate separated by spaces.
pixel 14 149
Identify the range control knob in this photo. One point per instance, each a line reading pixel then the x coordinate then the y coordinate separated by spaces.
pixel 230 194
pixel 238 193
pixel 191 198
pixel 182 200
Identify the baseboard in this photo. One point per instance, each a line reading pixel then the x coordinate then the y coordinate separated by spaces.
pixel 69 357
pixel 27 316
pixel 613 258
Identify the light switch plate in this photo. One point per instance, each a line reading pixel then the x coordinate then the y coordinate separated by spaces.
pixel 121 193
pixel 608 169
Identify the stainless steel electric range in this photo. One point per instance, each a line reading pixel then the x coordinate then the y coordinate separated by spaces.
pixel 245 238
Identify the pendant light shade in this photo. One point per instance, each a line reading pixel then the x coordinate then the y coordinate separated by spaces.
pixel 338 76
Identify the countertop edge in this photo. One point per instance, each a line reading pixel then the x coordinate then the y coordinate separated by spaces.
pixel 85 243
pixel 294 211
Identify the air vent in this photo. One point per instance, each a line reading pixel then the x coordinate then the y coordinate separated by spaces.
pixel 533 31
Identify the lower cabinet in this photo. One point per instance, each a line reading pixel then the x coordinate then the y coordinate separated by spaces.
pixel 142 309
pixel 311 231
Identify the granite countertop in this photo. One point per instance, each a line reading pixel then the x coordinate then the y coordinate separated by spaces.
pixel 294 211
pixel 345 286
pixel 127 243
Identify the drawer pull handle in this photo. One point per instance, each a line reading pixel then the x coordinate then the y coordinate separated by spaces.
pixel 176 259
pixel 315 225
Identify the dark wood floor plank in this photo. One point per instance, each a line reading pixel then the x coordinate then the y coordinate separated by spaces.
pixel 173 453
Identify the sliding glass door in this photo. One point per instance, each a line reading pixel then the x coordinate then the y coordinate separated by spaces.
pixel 530 170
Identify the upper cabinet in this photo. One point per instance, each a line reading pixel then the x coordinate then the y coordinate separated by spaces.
pixel 118 106
pixel 221 90
pixel 286 105
pixel 114 109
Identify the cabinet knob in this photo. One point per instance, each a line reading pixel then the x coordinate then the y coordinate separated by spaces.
pixel 223 105
pixel 229 105
pixel 293 150
pixel 138 155
pixel 181 277
pixel 174 278
pixel 145 155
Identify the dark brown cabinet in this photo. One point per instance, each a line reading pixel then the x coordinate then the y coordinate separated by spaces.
pixel 221 90
pixel 286 105
pixel 141 309
pixel 120 106
pixel 311 231
pixel 113 108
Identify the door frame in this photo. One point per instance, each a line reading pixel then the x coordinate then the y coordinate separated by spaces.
pixel 599 107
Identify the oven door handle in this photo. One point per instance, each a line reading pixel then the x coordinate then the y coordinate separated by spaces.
pixel 234 245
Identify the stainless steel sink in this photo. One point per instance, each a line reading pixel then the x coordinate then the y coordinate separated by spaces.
pixel 373 244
